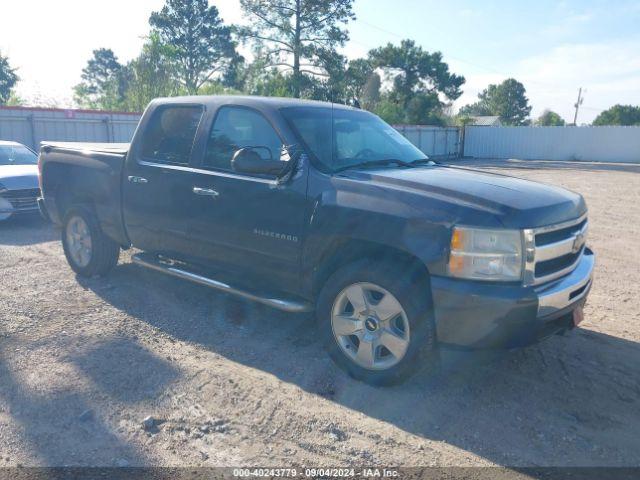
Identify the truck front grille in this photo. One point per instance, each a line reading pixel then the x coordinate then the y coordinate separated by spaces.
pixel 548 267
pixel 554 251
pixel 26 199
pixel 552 236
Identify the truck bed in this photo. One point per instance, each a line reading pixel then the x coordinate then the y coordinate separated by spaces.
pixel 84 173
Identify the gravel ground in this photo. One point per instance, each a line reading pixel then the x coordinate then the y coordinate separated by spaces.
pixel 84 362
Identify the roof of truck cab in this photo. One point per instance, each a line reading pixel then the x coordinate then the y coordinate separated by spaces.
pixel 251 101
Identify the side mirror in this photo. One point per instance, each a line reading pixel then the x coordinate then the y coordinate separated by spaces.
pixel 248 160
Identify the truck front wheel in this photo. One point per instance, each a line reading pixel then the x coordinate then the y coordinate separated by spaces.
pixel 88 250
pixel 376 322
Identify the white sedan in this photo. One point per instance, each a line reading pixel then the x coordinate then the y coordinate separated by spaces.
pixel 18 180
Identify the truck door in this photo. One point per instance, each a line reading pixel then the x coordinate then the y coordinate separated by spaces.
pixel 248 224
pixel 157 183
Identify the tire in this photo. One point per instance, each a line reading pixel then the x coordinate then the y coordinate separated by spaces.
pixel 414 325
pixel 100 254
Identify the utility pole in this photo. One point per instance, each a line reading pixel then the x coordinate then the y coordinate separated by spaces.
pixel 577 105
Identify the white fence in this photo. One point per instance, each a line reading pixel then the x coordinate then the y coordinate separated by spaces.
pixel 607 144
pixel 30 126
pixel 433 141
pixel 602 144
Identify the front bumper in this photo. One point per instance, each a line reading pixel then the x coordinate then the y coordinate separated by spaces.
pixel 7 210
pixel 11 210
pixel 471 314
pixel 16 202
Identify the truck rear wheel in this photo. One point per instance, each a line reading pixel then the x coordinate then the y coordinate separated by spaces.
pixel 376 322
pixel 88 250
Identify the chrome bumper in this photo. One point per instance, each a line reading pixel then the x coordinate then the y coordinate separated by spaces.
pixel 558 295
pixel 8 208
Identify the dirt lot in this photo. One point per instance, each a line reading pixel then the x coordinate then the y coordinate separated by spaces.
pixel 83 362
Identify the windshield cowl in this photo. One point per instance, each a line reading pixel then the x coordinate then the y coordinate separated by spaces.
pixel 393 162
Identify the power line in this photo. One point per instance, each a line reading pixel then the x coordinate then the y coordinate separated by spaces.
pixel 375 27
pixel 547 86
pixel 551 87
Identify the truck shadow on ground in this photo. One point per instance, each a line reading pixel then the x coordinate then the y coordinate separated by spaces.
pixel 125 370
pixel 27 230
pixel 64 428
pixel 570 401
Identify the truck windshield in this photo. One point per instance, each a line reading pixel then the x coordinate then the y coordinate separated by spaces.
pixel 17 155
pixel 340 138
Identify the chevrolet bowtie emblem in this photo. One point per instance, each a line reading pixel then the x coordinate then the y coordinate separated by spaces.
pixel 578 242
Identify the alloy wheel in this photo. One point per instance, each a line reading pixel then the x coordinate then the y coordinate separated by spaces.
pixel 370 326
pixel 79 241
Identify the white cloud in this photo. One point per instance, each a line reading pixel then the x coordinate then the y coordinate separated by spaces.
pixel 610 73
pixel 595 61
pixel 51 48
pixel 475 82
pixel 51 53
pixel 568 25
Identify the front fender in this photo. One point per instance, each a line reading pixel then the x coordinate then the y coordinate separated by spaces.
pixel 376 218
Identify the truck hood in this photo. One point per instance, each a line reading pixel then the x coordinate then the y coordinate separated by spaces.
pixel 18 177
pixel 516 203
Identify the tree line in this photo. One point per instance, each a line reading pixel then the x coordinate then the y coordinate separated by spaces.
pixel 294 53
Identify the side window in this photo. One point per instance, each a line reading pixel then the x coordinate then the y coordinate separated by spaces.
pixel 170 133
pixel 235 128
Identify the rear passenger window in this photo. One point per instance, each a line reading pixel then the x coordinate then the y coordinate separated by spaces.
pixel 235 128
pixel 170 134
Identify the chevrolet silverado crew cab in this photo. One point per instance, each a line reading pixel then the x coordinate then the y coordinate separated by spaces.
pixel 310 206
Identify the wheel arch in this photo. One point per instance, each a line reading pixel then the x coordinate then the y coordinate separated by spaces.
pixel 59 182
pixel 411 288
pixel 346 251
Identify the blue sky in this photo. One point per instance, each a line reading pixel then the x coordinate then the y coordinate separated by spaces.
pixel 552 47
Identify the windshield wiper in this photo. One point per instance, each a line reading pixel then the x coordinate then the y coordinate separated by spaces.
pixel 376 163
pixel 424 161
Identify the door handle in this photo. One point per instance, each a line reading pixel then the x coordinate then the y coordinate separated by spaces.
pixel 207 192
pixel 134 179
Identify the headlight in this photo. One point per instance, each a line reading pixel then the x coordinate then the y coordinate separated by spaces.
pixel 482 254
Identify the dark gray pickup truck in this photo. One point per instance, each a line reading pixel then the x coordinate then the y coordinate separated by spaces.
pixel 308 206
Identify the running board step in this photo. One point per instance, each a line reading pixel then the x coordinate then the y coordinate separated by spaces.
pixel 149 261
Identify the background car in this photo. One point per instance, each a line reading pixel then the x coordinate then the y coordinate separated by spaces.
pixel 19 189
